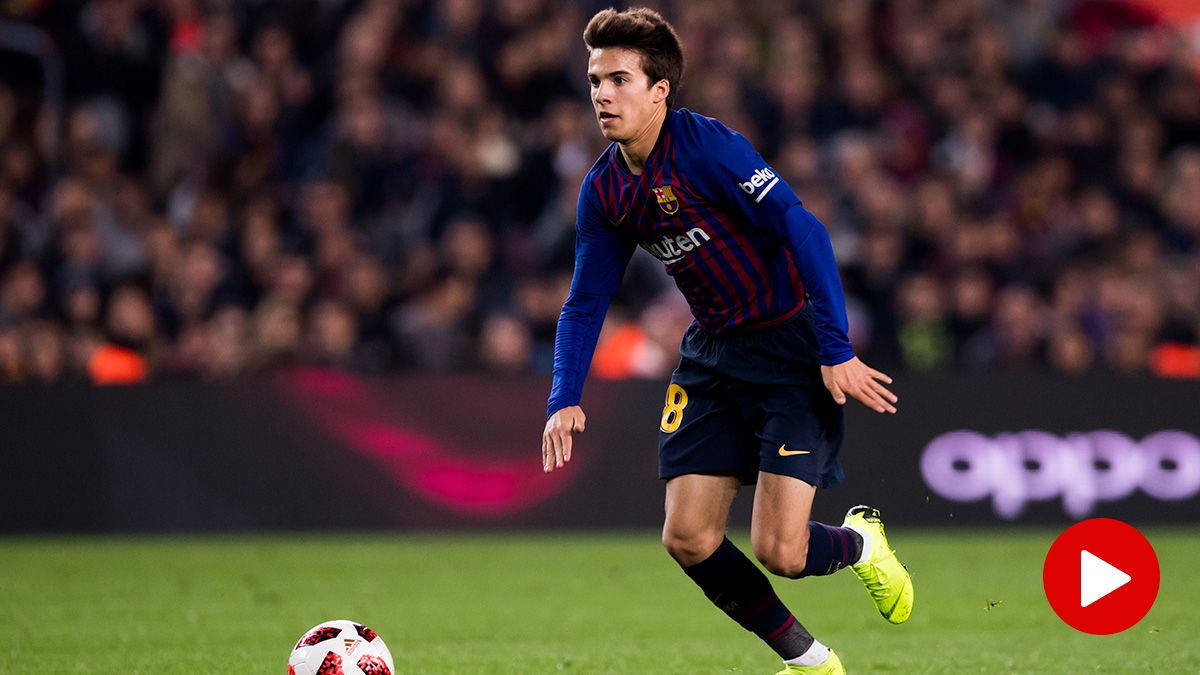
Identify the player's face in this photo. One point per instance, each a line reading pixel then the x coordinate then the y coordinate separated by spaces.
pixel 624 98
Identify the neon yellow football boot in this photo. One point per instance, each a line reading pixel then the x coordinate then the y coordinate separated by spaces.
pixel 888 582
pixel 832 666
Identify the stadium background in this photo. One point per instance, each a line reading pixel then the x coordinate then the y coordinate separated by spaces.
pixel 324 243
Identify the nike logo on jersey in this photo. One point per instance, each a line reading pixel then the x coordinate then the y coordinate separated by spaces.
pixel 784 452
pixel 763 178
pixel 618 221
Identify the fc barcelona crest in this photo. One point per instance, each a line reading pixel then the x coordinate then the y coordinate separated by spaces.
pixel 666 199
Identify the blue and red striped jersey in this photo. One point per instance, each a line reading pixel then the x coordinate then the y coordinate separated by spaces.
pixel 730 231
pixel 689 209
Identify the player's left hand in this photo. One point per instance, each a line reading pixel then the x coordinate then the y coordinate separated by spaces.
pixel 860 381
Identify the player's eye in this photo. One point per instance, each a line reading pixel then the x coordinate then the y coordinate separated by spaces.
pixel 619 80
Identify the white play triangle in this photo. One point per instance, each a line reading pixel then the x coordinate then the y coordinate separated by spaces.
pixel 1097 578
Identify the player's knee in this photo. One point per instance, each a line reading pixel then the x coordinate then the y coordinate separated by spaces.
pixel 690 548
pixel 782 557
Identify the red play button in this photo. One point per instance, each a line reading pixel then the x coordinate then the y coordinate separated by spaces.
pixel 1101 576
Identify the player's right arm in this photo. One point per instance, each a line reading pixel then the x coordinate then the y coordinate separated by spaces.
pixel 601 256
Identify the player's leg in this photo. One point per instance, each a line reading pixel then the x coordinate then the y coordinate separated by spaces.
pixel 784 538
pixel 798 452
pixel 705 453
pixel 697 511
pixel 789 544
pixel 799 441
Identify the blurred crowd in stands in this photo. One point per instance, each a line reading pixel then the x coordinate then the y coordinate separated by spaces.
pixel 210 189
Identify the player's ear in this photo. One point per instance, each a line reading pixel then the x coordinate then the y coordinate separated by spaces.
pixel 662 89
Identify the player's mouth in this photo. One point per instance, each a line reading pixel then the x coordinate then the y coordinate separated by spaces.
pixel 606 117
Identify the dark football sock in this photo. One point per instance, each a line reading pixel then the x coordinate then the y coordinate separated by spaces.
pixel 740 589
pixel 830 549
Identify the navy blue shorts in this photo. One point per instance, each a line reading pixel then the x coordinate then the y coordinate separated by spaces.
pixel 752 402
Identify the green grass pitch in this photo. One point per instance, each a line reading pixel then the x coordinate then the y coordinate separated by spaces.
pixel 547 603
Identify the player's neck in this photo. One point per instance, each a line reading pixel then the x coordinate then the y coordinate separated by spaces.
pixel 637 149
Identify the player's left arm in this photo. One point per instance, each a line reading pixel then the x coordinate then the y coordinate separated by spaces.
pixel 743 181
pixel 842 371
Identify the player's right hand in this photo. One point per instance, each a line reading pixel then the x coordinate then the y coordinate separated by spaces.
pixel 556 439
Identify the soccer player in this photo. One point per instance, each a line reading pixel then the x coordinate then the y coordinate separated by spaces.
pixel 765 367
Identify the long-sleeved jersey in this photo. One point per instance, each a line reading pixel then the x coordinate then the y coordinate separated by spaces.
pixel 731 232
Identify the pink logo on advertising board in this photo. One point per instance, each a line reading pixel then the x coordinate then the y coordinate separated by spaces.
pixel 397 434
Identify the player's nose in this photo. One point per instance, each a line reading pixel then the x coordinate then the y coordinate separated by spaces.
pixel 601 95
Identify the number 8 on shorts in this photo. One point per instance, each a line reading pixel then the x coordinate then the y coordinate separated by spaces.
pixel 672 416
